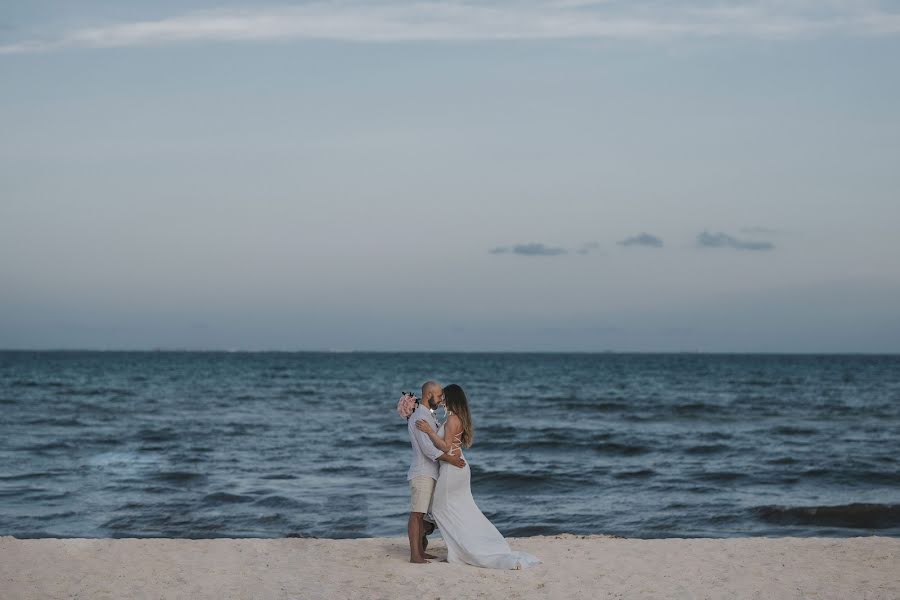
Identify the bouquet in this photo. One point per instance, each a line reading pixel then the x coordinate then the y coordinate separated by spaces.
pixel 407 405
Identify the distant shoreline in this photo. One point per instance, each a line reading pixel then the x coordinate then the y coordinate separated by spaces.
pixel 445 352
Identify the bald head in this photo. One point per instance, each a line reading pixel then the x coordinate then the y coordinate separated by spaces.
pixel 432 394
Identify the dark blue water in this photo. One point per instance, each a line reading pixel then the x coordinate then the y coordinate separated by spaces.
pixel 274 444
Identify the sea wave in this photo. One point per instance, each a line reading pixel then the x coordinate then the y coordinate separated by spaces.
pixel 854 516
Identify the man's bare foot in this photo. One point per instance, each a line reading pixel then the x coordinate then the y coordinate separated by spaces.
pixel 429 555
pixel 418 560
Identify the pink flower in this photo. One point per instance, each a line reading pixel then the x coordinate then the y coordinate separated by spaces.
pixel 406 406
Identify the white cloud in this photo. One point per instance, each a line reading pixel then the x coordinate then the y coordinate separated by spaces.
pixel 447 20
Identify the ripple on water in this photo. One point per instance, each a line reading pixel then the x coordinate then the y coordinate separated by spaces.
pixel 635 474
pixel 179 476
pixel 707 449
pixel 620 449
pixel 217 498
pixel 279 502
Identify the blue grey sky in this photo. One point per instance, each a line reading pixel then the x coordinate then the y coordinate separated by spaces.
pixel 534 175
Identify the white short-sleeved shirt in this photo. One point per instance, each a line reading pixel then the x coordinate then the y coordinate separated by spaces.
pixel 424 452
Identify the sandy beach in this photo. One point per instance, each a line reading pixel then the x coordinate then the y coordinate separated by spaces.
pixel 574 567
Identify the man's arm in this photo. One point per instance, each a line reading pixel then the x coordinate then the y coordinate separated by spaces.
pixel 456 461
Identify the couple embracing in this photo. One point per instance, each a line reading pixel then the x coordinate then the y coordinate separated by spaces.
pixel 439 479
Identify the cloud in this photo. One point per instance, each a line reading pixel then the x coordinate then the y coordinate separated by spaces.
pixel 530 250
pixel 587 248
pixel 761 230
pixel 723 240
pixel 452 21
pixel 642 239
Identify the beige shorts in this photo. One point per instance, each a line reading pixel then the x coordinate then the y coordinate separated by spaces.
pixel 421 489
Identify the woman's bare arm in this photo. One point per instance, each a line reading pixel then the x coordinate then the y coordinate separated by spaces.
pixel 423 425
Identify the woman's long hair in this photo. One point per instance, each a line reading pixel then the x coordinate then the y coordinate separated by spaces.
pixel 456 402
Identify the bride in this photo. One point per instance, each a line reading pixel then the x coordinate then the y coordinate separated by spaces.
pixel 470 537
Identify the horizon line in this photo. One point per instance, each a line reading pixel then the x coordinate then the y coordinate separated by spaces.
pixel 336 351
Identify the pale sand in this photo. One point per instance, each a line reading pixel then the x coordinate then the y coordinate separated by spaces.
pixel 592 567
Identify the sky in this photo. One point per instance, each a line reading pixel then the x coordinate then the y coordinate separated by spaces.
pixel 537 175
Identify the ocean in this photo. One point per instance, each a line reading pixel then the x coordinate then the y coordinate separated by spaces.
pixel 231 444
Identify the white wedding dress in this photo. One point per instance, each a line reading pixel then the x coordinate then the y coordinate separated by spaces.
pixel 470 537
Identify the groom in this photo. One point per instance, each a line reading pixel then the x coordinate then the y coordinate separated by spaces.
pixel 423 472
